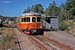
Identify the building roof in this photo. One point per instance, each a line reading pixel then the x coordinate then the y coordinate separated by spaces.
pixel 51 16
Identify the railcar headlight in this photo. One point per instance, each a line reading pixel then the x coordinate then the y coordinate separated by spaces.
pixel 25 27
pixel 41 27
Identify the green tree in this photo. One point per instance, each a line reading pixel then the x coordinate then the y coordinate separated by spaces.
pixel 38 8
pixel 70 7
pixel 63 12
pixel 52 10
pixel 47 12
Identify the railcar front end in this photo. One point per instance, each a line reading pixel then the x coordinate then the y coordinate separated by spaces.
pixel 30 23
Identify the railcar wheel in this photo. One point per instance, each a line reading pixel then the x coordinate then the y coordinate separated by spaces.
pixel 41 32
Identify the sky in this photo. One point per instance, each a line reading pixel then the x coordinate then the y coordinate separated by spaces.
pixel 16 7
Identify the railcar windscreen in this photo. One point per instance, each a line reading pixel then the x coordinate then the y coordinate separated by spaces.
pixel 25 19
pixel 33 19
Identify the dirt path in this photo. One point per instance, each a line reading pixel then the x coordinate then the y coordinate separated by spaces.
pixel 62 37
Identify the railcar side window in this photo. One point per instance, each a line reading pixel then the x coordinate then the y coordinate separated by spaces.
pixel 38 19
pixel 22 19
pixel 33 19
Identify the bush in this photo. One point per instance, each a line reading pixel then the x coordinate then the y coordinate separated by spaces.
pixel 3 41
pixel 63 26
pixel 74 20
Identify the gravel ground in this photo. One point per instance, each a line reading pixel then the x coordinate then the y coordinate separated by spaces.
pixel 25 42
pixel 62 37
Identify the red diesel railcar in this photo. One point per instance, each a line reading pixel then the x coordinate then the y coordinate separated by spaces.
pixel 30 23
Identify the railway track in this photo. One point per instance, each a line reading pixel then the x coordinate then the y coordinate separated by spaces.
pixel 32 40
pixel 37 43
pixel 51 44
pixel 45 43
pixel 55 44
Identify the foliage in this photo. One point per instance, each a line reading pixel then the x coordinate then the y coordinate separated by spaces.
pixel 37 8
pixel 52 10
pixel 3 41
pixel 71 24
pixel 67 10
pixel 63 26
pixel 74 20
pixel 70 7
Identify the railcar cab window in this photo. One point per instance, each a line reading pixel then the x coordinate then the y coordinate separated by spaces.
pixel 33 19
pixel 25 19
pixel 28 19
pixel 38 19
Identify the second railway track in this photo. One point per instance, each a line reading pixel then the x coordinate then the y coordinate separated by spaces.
pixel 50 43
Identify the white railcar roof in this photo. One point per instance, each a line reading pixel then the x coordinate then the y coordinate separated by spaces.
pixel 30 14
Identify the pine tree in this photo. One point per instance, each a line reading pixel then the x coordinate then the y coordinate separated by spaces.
pixel 52 10
pixel 70 7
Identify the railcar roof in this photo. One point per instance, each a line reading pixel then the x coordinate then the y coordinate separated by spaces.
pixel 31 14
